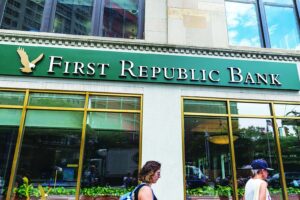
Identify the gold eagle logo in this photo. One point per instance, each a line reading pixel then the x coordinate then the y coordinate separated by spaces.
pixel 27 65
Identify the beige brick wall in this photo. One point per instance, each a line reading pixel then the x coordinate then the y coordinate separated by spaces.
pixel 186 22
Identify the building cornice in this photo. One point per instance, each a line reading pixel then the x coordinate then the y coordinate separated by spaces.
pixel 20 37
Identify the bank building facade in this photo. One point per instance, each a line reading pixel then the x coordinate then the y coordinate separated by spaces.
pixel 91 90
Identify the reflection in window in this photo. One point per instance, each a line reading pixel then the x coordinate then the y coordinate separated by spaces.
pixel 11 98
pixel 207 158
pixel 114 102
pixel 9 125
pixel 121 18
pixel 242 108
pixel 289 132
pixel 283 28
pixel 287 110
pixel 111 18
pixel 284 2
pixel 73 17
pixel 50 150
pixel 255 141
pixel 277 18
pixel 23 15
pixel 205 106
pixel 111 155
pixel 56 100
pixel 242 24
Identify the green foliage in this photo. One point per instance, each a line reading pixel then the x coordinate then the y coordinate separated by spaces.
pixel 26 190
pixel 274 190
pixel 292 190
pixel 223 191
pixel 62 191
pixel 104 191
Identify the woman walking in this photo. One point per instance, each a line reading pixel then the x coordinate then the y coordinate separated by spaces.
pixel 149 175
pixel 256 187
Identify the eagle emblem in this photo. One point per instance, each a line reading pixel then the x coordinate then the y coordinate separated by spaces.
pixel 28 65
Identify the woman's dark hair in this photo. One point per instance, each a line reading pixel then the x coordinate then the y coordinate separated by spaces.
pixel 148 171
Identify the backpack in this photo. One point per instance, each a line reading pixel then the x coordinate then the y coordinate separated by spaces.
pixel 130 195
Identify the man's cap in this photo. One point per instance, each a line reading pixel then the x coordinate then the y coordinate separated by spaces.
pixel 260 164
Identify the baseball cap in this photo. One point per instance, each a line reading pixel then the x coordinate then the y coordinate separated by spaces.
pixel 260 164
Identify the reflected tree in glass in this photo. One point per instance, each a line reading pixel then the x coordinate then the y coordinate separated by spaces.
pixel 289 134
pixel 207 158
pixel 255 141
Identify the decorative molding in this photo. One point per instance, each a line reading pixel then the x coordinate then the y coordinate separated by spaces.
pixel 142 46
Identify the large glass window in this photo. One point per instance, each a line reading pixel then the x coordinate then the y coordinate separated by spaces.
pixel 9 126
pixel 41 150
pixel 264 23
pixel 50 151
pixel 255 141
pixel 208 159
pixel 111 155
pixel 110 18
pixel 289 135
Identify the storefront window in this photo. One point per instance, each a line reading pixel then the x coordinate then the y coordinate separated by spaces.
pixel 206 143
pixel 50 152
pixel 207 158
pixel 111 155
pixel 9 126
pixel 289 134
pixel 255 141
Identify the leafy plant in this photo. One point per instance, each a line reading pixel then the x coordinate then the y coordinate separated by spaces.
pixel 292 190
pixel 223 191
pixel 62 191
pixel 104 191
pixel 26 190
pixel 241 192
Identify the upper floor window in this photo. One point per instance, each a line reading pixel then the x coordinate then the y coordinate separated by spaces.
pixel 263 23
pixel 109 18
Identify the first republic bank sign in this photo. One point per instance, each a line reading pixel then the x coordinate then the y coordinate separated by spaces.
pixel 38 61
